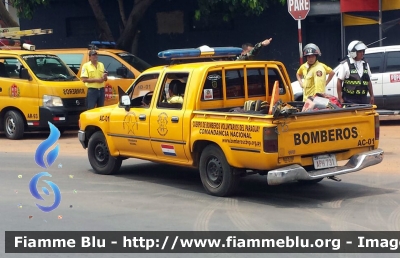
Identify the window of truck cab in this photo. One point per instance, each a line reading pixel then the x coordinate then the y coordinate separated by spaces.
pixel 49 67
pixel 134 61
pixel 111 65
pixel 172 90
pixel 138 90
pixel 9 67
pixel 234 80
pixel 74 61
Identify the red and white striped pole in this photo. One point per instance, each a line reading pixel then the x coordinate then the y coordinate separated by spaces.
pixel 300 44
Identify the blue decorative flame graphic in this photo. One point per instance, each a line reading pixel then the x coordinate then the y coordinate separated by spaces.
pixel 35 193
pixel 45 145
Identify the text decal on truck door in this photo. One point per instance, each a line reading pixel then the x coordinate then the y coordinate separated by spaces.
pixel 325 136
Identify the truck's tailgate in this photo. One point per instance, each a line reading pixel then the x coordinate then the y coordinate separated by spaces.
pixel 312 134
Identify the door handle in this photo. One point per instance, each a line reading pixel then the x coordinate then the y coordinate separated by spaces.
pixel 142 117
pixel 1 89
pixel 374 79
pixel 174 119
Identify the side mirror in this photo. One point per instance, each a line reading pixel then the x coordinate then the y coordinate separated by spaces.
pixel 126 102
pixel 24 74
pixel 122 71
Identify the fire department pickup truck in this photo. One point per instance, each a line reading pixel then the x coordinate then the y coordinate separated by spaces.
pixel 194 118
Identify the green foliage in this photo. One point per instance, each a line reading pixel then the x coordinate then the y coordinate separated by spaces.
pixel 26 8
pixel 230 8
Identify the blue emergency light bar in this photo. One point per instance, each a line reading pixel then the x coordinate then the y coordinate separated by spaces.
pixel 203 51
pixel 106 43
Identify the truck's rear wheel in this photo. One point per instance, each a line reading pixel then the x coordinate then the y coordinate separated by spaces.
pixel 99 156
pixel 14 126
pixel 217 176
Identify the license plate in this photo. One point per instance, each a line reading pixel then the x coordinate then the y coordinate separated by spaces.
pixel 324 161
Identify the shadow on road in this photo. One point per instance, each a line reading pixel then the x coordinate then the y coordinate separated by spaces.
pixel 253 188
pixel 43 135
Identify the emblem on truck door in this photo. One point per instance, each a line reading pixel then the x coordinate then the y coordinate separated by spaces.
pixel 130 122
pixel 162 124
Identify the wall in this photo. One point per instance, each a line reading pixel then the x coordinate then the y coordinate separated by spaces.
pixel 178 29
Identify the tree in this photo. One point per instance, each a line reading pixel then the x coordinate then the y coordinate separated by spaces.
pixel 129 26
pixel 231 8
pixel 25 9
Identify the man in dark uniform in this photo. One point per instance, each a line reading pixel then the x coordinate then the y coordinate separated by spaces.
pixel 249 51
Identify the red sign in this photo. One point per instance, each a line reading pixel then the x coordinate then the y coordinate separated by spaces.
pixel 395 77
pixel 298 9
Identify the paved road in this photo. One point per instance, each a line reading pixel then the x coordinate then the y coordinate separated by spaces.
pixel 152 197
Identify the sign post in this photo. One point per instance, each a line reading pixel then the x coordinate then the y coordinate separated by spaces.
pixel 299 9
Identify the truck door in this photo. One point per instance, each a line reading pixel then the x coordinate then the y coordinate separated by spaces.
pixel 391 80
pixel 166 121
pixel 130 129
pixel 375 61
pixel 18 92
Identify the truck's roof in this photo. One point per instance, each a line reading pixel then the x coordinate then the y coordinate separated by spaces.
pixel 207 65
pixel 111 50
pixel 24 52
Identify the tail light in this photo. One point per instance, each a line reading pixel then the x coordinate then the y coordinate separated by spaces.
pixel 377 127
pixel 270 139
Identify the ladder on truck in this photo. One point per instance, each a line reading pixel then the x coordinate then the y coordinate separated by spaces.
pixel 21 33
pixel 10 37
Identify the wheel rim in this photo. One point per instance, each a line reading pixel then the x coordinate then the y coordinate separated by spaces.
pixel 214 172
pixel 10 126
pixel 101 153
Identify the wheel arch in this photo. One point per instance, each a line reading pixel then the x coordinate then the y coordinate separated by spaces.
pixel 198 147
pixel 9 108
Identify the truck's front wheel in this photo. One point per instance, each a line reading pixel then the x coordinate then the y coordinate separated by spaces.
pixel 217 176
pixel 14 126
pixel 99 156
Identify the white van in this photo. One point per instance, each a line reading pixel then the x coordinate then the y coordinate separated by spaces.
pixel 384 63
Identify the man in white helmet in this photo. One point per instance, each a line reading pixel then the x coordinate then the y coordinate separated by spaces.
pixel 312 74
pixel 354 75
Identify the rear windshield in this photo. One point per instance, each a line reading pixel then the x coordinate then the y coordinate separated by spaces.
pixel 134 61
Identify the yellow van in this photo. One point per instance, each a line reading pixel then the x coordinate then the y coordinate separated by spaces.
pixel 37 88
pixel 123 68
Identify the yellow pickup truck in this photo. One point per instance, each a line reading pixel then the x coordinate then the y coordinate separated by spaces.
pixel 195 118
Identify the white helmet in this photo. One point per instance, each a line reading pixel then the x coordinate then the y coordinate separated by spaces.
pixel 355 46
pixel 311 49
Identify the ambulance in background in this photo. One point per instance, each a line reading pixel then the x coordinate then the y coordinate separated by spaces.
pixel 123 67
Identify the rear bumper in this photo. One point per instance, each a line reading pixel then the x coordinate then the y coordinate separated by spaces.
pixel 295 173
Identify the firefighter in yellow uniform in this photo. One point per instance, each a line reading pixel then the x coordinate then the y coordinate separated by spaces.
pixel 94 75
pixel 312 74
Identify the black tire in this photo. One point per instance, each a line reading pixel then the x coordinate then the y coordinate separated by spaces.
pixel 14 125
pixel 310 182
pixel 217 176
pixel 99 156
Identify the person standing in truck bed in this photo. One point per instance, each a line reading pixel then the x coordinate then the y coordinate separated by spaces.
pixel 250 52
